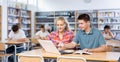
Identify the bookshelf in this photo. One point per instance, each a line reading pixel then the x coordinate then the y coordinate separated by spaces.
pixel 49 17
pixel 18 14
pixel 26 22
pixel 111 18
pixel 0 23
pixel 46 18
pixel 13 17
pixel 99 18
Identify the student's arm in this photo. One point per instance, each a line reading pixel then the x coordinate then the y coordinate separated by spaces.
pixel 70 45
pixel 102 45
pixel 37 35
pixel 21 40
pixel 102 48
pixel 111 34
pixel 66 46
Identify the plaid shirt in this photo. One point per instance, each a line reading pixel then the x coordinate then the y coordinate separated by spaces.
pixel 67 37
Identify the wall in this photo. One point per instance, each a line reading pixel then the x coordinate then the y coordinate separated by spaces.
pixel 59 5
pixel 4 20
pixel 33 10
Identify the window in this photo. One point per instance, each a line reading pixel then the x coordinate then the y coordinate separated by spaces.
pixel 32 2
pixel 22 1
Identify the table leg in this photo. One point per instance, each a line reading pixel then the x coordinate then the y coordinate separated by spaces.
pixel 15 53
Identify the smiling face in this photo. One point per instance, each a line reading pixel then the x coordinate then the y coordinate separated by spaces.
pixel 83 25
pixel 84 22
pixel 60 25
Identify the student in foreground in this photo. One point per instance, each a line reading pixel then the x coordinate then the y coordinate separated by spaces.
pixel 90 39
pixel 63 35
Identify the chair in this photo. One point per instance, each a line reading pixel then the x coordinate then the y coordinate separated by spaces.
pixel 26 44
pixel 30 59
pixel 35 42
pixel 2 47
pixel 70 59
pixel 3 55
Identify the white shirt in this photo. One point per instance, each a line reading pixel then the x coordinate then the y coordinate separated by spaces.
pixel 106 35
pixel 42 34
pixel 20 34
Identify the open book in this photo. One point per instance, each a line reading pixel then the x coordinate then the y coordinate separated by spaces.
pixel 82 52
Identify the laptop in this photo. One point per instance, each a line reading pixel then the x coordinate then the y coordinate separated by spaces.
pixel 50 47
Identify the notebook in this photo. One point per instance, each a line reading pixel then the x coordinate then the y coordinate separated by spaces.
pixel 82 52
pixel 50 47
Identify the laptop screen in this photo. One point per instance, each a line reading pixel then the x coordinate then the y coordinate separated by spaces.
pixel 49 46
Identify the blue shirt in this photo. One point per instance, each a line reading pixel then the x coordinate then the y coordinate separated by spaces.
pixel 93 39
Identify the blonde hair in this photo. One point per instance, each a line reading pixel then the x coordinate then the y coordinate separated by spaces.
pixel 64 20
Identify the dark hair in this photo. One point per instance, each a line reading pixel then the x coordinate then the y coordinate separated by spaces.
pixel 42 26
pixel 15 28
pixel 84 17
pixel 106 27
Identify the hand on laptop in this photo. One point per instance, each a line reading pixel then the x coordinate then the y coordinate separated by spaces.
pixel 61 46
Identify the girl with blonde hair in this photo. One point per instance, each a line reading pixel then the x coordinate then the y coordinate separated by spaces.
pixel 63 35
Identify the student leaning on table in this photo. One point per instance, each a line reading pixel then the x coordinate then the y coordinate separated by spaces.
pixel 16 34
pixel 90 39
pixel 62 35
pixel 107 34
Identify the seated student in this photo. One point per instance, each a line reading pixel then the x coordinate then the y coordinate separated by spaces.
pixel 42 34
pixel 16 34
pixel 90 39
pixel 107 34
pixel 62 35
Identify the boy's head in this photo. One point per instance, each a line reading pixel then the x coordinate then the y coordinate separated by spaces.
pixel 15 28
pixel 83 21
pixel 106 28
pixel 42 28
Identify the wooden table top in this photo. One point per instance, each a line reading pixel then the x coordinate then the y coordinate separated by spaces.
pixel 100 56
pixel 14 42
pixel 114 43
